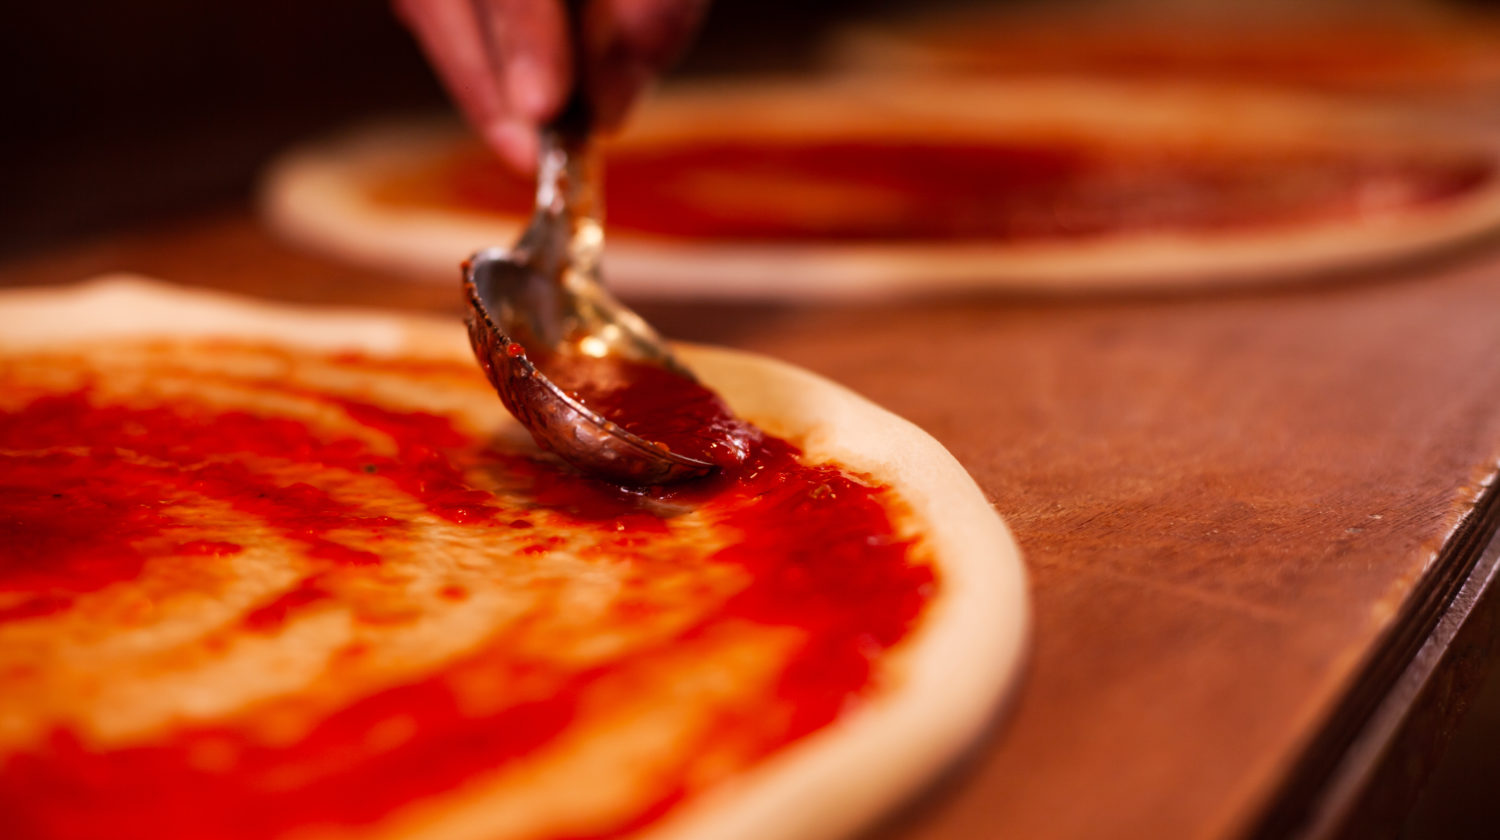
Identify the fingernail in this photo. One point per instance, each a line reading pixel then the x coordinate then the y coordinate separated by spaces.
pixel 515 142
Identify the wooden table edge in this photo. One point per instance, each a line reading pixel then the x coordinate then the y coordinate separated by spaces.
pixel 1367 761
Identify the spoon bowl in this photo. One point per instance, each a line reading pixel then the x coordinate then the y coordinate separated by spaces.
pixel 518 314
pixel 539 311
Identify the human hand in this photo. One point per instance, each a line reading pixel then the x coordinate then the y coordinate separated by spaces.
pixel 510 64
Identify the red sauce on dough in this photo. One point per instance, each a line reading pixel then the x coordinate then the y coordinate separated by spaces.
pixel 92 494
pixel 61 534
pixel 997 190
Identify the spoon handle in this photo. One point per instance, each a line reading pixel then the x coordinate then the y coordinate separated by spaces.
pixel 569 173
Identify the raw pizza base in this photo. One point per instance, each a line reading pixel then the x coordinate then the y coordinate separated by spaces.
pixel 954 672
pixel 317 195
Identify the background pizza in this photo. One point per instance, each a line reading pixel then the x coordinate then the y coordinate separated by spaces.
pixel 869 188
pixel 275 573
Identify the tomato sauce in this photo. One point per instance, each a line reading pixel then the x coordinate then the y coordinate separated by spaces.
pixel 655 404
pixel 91 494
pixel 61 535
pixel 1001 190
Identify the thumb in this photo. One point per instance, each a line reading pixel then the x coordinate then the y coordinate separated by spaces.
pixel 630 42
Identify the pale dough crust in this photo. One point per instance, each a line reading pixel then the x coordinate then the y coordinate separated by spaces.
pixel 316 195
pixel 953 674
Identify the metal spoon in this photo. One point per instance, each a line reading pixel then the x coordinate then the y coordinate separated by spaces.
pixel 544 298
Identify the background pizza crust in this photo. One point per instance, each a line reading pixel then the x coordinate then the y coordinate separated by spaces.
pixel 948 681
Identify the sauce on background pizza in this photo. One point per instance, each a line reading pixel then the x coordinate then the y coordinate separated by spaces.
pixel 992 190
pixel 252 593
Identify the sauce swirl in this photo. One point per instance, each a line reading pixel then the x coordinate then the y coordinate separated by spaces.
pixel 101 497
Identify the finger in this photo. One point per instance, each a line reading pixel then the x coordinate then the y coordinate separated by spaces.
pixel 450 35
pixel 529 42
pixel 630 42
pixel 516 141
pixel 652 32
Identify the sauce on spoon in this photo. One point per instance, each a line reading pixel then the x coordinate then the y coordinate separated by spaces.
pixel 664 408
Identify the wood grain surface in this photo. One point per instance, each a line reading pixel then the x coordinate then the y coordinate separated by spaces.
pixel 1227 503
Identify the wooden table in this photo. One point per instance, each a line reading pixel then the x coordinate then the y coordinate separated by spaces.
pixel 1246 518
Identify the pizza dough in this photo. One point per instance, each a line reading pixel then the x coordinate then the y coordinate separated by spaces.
pixel 354 600
pixel 862 188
